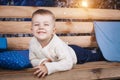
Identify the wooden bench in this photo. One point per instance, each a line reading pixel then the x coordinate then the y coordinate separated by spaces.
pixel 77 22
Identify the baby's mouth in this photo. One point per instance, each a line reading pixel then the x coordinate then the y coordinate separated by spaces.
pixel 41 32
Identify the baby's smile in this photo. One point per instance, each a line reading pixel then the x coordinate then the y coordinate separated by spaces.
pixel 41 32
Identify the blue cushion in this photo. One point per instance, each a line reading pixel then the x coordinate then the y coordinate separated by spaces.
pixel 3 43
pixel 15 60
pixel 108 38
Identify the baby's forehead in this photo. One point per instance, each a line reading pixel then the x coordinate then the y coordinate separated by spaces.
pixel 43 19
pixel 43 15
pixel 50 15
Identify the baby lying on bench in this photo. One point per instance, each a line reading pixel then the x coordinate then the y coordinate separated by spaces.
pixel 48 53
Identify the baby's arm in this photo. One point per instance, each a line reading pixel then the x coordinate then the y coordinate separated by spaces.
pixel 45 61
pixel 35 61
pixel 63 63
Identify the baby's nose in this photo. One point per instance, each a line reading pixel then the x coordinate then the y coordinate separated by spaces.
pixel 41 26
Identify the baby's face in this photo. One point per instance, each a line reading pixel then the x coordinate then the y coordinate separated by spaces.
pixel 43 27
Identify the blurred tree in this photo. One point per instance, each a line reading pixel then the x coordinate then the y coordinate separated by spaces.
pixel 104 4
pixel 28 2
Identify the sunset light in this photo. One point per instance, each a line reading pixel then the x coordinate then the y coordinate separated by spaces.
pixel 84 3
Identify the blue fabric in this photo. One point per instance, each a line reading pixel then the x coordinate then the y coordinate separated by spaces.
pixel 84 55
pixel 14 60
pixel 28 2
pixel 108 38
pixel 3 43
pixel 3 2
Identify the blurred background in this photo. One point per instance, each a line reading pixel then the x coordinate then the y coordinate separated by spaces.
pixel 104 4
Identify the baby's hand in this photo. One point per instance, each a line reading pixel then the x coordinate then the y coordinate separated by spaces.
pixel 41 71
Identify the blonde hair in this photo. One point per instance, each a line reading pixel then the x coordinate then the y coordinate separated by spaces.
pixel 43 12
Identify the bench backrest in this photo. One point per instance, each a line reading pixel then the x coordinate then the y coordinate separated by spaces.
pixel 77 22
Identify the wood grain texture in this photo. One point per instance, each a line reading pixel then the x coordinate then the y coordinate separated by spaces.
pixel 19 43
pixel 12 27
pixel 87 71
pixel 61 13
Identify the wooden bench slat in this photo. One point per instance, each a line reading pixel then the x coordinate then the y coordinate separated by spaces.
pixel 104 70
pixel 62 13
pixel 74 27
pixel 83 41
pixel 88 65
pixel 12 27
pixel 23 42
pixel 26 12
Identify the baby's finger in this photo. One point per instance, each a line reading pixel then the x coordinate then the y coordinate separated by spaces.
pixel 40 74
pixel 37 71
pixel 36 67
pixel 44 74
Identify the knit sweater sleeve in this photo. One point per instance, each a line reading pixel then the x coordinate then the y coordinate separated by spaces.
pixel 64 60
pixel 34 60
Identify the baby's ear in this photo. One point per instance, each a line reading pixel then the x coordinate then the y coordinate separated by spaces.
pixel 31 28
pixel 54 30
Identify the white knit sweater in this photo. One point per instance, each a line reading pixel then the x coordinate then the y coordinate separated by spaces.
pixel 62 56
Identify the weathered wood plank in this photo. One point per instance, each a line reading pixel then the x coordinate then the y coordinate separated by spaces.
pixel 87 71
pixel 12 27
pixel 20 43
pixel 23 42
pixel 64 13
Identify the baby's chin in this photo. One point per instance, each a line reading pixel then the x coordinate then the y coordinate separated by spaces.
pixel 41 37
